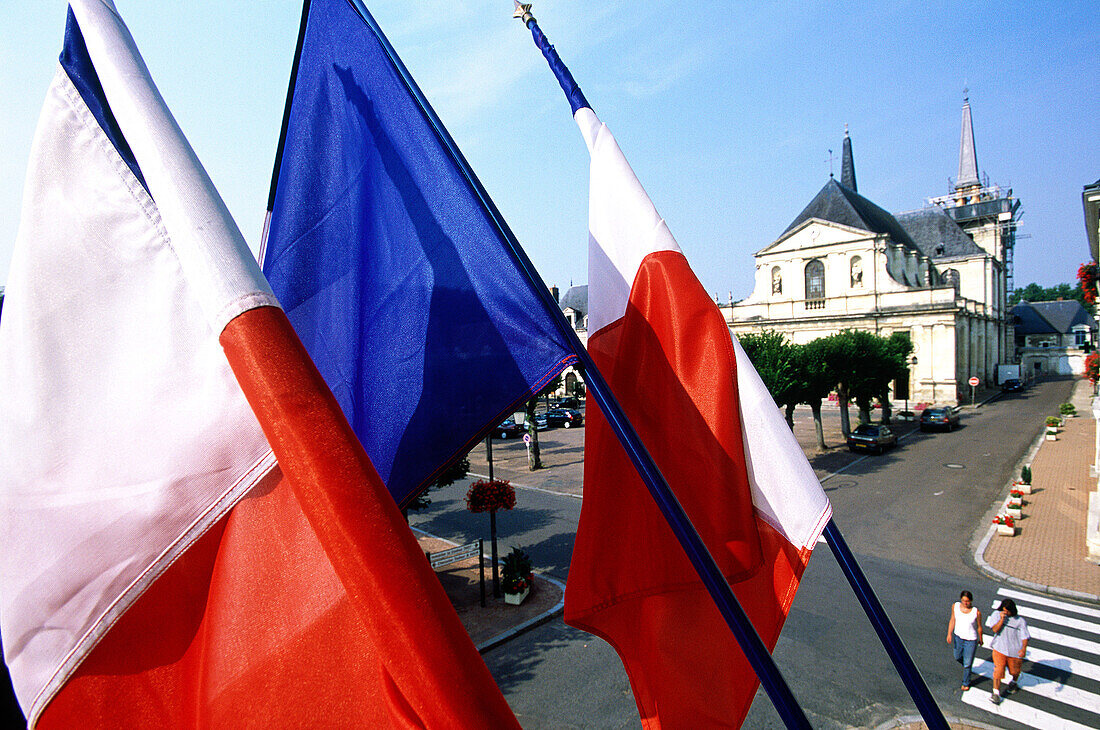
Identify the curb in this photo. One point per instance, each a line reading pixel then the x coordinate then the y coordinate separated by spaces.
pixel 504 636
pixel 529 624
pixel 983 543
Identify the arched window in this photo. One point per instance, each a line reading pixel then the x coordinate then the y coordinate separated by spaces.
pixel 815 284
pixel 857 272
pixel 951 278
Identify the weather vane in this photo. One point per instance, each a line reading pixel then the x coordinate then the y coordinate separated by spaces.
pixel 831 158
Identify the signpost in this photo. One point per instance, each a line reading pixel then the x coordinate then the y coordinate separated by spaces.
pixel 973 384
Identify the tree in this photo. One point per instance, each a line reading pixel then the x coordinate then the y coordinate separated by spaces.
pixel 1035 293
pixel 817 379
pixel 843 356
pixel 864 364
pixel 774 360
pixel 868 371
pixel 534 453
pixel 455 470
pixel 897 351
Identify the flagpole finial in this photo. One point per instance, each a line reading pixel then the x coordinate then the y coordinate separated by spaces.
pixel 523 11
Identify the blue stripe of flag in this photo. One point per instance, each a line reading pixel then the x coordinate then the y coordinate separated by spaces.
pixel 393 273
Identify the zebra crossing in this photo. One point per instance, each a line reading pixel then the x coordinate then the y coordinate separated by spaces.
pixel 1059 687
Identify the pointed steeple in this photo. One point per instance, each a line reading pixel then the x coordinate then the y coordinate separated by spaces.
pixel 847 164
pixel 968 158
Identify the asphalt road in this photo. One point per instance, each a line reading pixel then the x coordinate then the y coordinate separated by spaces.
pixel 911 516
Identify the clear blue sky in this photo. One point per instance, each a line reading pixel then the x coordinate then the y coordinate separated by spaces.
pixel 726 110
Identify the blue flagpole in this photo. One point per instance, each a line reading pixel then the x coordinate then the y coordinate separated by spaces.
pixel 903 663
pixel 740 624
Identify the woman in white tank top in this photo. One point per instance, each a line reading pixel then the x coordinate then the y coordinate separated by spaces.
pixel 964 633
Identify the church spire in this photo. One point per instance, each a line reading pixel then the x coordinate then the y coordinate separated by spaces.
pixel 968 158
pixel 847 164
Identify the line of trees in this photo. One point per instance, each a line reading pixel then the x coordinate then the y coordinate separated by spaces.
pixel 1035 293
pixel 858 365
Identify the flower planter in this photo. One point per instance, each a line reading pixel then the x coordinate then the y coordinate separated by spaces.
pixel 516 598
pixel 1015 503
pixel 1052 435
pixel 1006 530
pixel 1014 512
pixel 1025 488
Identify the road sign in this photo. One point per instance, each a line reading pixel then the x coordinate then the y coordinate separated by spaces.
pixel 527 439
pixel 974 382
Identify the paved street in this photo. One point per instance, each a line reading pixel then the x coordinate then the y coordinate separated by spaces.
pixel 1062 672
pixel 912 516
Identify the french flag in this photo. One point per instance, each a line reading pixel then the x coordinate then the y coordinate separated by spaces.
pixel 192 534
pixel 716 436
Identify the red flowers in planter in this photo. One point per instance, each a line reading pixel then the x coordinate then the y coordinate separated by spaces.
pixel 1006 520
pixel 1092 367
pixel 489 496
pixel 1087 274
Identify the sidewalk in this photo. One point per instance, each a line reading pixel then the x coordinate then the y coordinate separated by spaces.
pixel 1049 552
pixel 497 621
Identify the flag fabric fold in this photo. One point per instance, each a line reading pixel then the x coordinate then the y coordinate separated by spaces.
pixel 391 268
pixel 192 536
pixel 716 436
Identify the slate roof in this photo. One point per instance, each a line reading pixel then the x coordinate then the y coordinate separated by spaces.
pixel 932 227
pixel 848 164
pixel 1036 318
pixel 576 298
pixel 839 204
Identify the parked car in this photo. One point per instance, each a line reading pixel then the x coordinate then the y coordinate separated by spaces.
pixel 508 428
pixel 872 437
pixel 939 417
pixel 564 417
pixel 1011 385
pixel 568 401
pixel 541 422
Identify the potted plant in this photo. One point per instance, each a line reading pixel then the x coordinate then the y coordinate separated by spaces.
pixel 1013 510
pixel 1015 497
pixel 1025 479
pixel 1068 410
pixel 1052 427
pixel 1006 525
pixel 517 576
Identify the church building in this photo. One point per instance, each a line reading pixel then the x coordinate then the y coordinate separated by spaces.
pixel 940 274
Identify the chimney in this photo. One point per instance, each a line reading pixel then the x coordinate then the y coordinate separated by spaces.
pixel 554 292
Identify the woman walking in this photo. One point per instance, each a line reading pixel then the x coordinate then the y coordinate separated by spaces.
pixel 964 633
pixel 1010 637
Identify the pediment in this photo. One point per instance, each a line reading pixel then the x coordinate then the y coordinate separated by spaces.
pixel 814 234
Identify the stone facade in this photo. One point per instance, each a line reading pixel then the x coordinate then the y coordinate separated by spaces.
pixel 939 274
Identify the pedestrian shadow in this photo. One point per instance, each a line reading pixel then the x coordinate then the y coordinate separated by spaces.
pixel 1056 670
